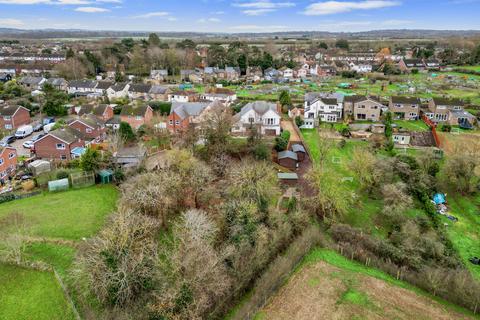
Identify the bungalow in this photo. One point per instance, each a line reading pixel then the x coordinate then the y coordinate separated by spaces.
pixel 159 74
pixel 324 109
pixel 58 83
pixel 58 144
pixel 118 91
pixel 90 127
pixel 260 114
pixel 288 159
pixel 32 83
pixel 184 114
pixel 362 108
pixel 183 96
pixel 404 108
pixel 8 162
pixel 407 65
pixel 136 116
pixel 222 95
pixel 139 91
pixel 81 86
pixel 12 117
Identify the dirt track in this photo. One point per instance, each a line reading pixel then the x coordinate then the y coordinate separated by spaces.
pixel 322 291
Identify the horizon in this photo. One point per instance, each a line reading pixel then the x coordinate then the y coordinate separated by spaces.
pixel 241 16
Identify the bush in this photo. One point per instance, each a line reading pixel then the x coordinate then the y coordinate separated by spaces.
pixel 298 121
pixel 161 107
pixel 7 197
pixel 62 175
pixel 285 135
pixel 446 128
pixel 345 132
pixel 281 144
pixel 261 152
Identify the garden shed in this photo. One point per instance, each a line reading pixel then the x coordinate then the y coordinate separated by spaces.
pixel 106 176
pixel 39 166
pixel 58 185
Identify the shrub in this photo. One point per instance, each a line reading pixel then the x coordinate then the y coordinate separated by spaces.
pixel 446 128
pixel 7 197
pixel 298 121
pixel 345 132
pixel 286 135
pixel 62 175
pixel 281 144
pixel 261 152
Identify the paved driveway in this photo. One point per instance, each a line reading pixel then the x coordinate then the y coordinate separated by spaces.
pixel 21 151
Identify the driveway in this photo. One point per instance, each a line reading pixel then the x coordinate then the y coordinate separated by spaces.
pixel 21 151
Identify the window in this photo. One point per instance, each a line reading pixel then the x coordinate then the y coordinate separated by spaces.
pixel 251 120
pixel 8 126
pixel 361 116
pixel 1 161
pixel 457 108
pixel 139 118
pixel 7 118
pixel 89 130
pixel 413 114
pixel 63 157
pixel 270 121
pixel 398 105
pixel 170 122
pixel 60 146
pixel 177 122
pixel 11 155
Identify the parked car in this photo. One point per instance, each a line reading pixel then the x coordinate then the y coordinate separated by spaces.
pixel 38 126
pixel 48 120
pixel 24 131
pixel 30 143
pixel 48 127
pixel 7 140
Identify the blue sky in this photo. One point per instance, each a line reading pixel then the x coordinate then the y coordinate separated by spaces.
pixel 240 15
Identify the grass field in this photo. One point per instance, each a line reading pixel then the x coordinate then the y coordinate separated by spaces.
pixel 29 294
pixel 417 125
pixel 69 215
pixel 326 285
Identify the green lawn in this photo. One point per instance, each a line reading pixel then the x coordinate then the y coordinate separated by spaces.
pixel 29 294
pixel 465 233
pixel 69 215
pixel 417 125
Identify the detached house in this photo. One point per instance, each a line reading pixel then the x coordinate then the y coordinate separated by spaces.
pixel 12 117
pixel 136 116
pixel 58 83
pixel 184 114
pixel 139 91
pixel 406 65
pixel 103 112
pixel 32 83
pixel 259 114
pixel 58 144
pixel 362 108
pixel 404 108
pixel 448 111
pixel 8 162
pixel 81 86
pixel 222 95
pixel 90 127
pixel 118 91
pixel 322 108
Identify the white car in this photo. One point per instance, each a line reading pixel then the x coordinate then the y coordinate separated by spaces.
pixel 28 144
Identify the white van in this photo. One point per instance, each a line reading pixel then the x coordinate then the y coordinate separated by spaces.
pixel 48 127
pixel 23 132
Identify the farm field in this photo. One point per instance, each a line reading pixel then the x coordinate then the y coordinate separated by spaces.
pixel 329 286
pixel 52 223
pixel 29 294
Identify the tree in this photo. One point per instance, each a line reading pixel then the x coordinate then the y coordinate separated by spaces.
pixel 331 198
pixel 72 68
pixel 126 131
pixel 119 265
pixel 281 144
pixel 363 166
pixel 154 40
pixel 55 101
pixel 323 45
pixel 267 61
pixel 285 99
pixel 342 44
pixel 462 172
pixel 90 160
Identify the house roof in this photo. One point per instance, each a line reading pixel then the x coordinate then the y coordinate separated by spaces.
pixel 186 109
pixel 104 85
pixel 298 148
pixel 91 121
pixel 9 110
pixel 100 109
pixel 31 80
pixel 140 87
pixel 88 84
pixel 405 100
pixel 86 109
pixel 287 155
pixel 130 110
pixel 158 90
pixel 118 86
pixel 448 102
pixel 66 134
pixel 260 107
pixel 56 81
pixel 355 98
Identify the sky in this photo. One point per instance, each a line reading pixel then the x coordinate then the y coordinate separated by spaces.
pixel 241 15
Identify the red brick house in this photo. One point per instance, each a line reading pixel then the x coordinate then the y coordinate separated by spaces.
pixel 58 144
pixel 8 162
pixel 184 114
pixel 12 117
pixel 136 116
pixel 103 112
pixel 90 127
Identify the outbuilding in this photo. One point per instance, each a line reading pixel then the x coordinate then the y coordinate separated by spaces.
pixel 300 151
pixel 288 159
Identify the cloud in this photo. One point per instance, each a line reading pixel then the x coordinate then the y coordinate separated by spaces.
pixel 91 9
pixel 204 20
pixel 257 8
pixel 152 15
pixel 333 7
pixel 57 2
pixel 11 23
